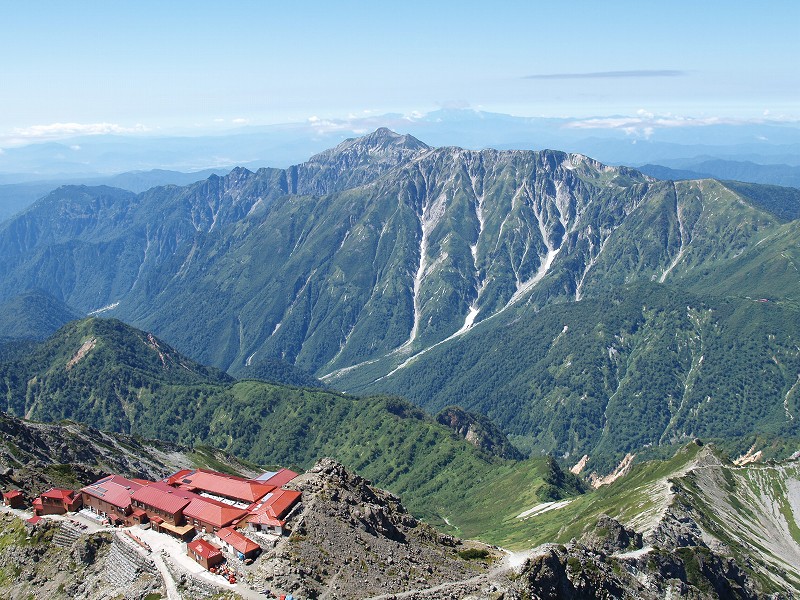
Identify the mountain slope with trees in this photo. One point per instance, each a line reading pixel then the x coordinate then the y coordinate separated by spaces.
pixel 111 376
pixel 378 264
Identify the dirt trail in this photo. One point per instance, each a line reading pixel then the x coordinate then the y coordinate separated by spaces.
pixel 513 561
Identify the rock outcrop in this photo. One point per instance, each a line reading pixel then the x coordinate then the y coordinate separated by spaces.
pixel 479 431
pixel 354 541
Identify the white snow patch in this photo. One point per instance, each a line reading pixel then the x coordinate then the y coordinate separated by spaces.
pixel 543 508
pixel 686 238
pixel 531 283
pixel 431 214
pixel 104 309
pixel 469 322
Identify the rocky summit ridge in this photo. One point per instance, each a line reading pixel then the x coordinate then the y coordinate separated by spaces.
pixel 352 540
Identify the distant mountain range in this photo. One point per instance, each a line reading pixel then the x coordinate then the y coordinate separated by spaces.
pixel 587 309
pixel 14 197
pixel 780 175
pixel 615 139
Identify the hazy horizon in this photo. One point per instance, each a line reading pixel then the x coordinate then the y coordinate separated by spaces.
pixel 168 69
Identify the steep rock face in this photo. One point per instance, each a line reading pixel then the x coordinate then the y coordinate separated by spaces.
pixel 354 162
pixel 577 573
pixel 610 536
pixel 478 431
pixel 351 540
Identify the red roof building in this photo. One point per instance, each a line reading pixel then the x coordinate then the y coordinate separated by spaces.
pixel 163 500
pixel 270 513
pixel 57 501
pixel 111 497
pixel 230 487
pixel 141 481
pixel 34 520
pixel 205 553
pixel 237 543
pixel 281 502
pixel 164 506
pixel 178 511
pixel 281 477
pixel 13 499
pixel 208 515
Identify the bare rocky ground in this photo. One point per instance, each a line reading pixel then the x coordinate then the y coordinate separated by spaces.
pixel 37 456
pixel 41 564
pixel 351 540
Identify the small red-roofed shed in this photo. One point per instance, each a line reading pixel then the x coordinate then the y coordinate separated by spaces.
pixel 33 521
pixel 57 501
pixel 204 553
pixel 242 546
pixel 14 499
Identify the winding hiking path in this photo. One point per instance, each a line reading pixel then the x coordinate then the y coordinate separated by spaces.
pixel 510 562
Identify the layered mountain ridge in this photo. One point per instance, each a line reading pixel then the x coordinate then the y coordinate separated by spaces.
pixel 375 261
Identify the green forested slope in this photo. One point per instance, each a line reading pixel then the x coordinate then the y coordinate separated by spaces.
pixel 647 364
pixel 33 315
pixel 109 375
pixel 446 275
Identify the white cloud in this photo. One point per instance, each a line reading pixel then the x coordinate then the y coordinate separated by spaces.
pixel 323 126
pixel 37 133
pixel 645 123
pixel 76 147
pixel 68 129
pixel 240 121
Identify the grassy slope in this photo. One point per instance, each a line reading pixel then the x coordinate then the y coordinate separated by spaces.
pixel 753 510
pixel 131 383
pixel 626 499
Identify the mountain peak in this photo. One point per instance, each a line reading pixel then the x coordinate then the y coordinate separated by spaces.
pixel 356 161
pixel 384 136
pixel 381 145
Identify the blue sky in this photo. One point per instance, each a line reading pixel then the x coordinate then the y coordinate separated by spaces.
pixel 202 66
